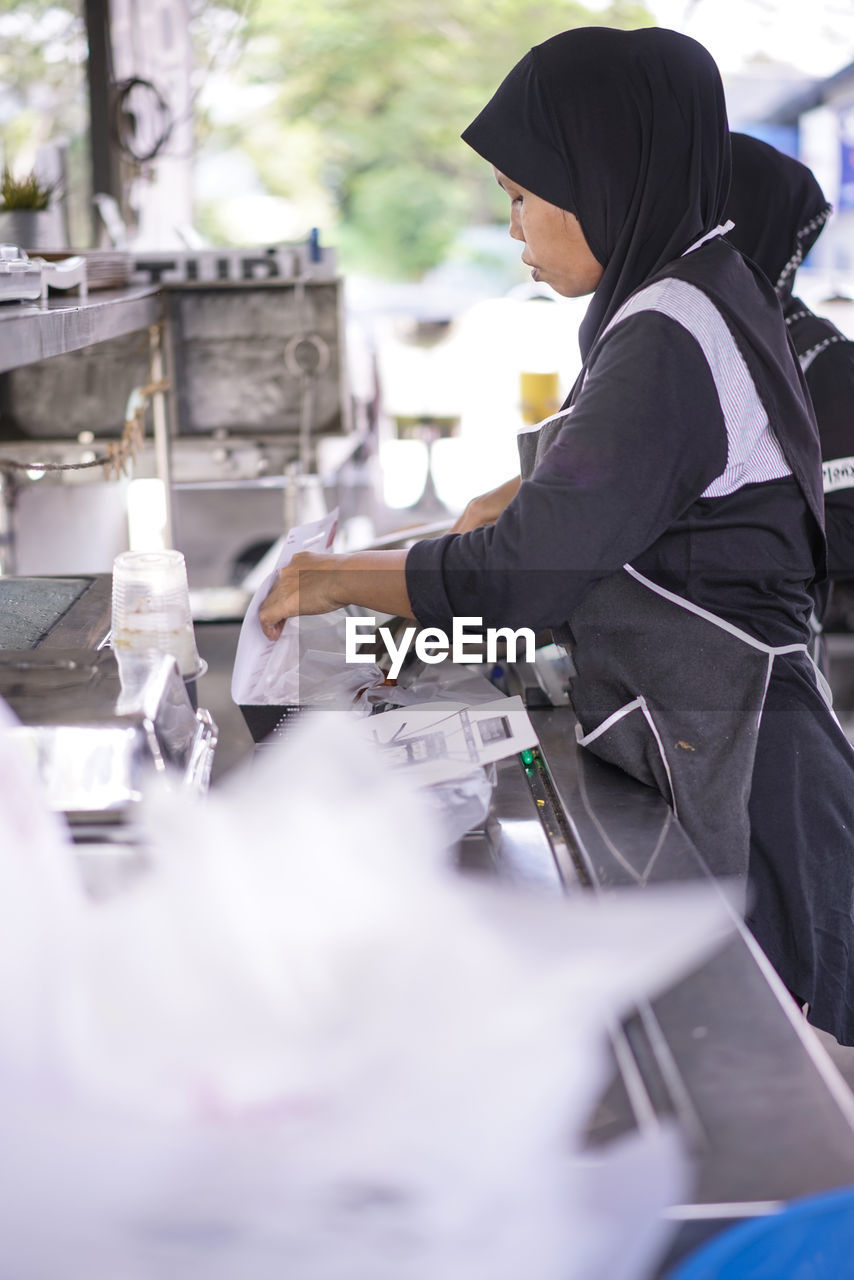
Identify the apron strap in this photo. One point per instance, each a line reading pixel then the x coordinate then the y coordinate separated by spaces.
pixel 773 651
pixel 716 621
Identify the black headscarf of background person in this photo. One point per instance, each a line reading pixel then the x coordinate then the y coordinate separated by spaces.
pixel 778 208
pixel 628 131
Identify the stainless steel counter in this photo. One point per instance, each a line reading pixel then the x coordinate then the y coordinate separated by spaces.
pixel 30 332
pixel 99 729
pixel 763 1109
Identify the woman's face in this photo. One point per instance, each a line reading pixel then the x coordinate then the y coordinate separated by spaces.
pixel 555 248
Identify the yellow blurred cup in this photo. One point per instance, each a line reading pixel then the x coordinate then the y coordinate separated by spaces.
pixel 539 395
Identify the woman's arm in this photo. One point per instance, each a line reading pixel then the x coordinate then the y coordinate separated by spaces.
pixel 320 582
pixel 487 507
pixel 645 437
pixel 644 440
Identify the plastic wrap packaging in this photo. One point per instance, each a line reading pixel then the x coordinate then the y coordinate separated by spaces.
pixel 304 1047
pixel 306 667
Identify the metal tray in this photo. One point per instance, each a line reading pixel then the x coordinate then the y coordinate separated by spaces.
pixel 100 732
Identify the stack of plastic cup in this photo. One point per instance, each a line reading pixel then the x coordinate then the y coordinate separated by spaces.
pixel 151 608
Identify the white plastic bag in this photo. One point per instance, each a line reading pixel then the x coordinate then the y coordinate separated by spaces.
pixel 305 665
pixel 41 903
pixel 305 1048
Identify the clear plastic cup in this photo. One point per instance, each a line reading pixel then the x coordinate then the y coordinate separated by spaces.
pixel 151 608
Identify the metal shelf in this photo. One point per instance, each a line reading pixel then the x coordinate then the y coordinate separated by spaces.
pixel 29 332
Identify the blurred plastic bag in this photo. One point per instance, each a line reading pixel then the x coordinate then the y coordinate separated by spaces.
pixel 40 900
pixel 305 1048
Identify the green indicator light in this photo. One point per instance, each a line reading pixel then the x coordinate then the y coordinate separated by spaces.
pixel 527 757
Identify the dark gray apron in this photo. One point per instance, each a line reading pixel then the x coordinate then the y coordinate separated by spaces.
pixel 670 693
pixel 673 694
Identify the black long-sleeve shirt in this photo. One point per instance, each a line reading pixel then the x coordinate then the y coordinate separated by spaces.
pixel 647 467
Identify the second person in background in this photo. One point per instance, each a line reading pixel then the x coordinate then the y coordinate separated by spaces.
pixel 779 211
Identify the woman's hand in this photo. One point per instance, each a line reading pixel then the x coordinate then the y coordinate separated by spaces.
pixel 304 586
pixel 486 508
pixel 318 582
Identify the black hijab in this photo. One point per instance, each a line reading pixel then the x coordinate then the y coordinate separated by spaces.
pixel 628 131
pixel 778 209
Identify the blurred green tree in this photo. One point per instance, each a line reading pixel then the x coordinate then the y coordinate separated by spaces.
pixel 349 111
pixel 43 93
pixel 384 90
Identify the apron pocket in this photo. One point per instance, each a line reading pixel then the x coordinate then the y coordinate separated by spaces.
pixel 630 739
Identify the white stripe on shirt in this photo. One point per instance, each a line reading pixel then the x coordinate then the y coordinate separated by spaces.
pixel 753 453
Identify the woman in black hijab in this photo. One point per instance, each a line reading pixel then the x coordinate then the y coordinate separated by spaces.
pixel 669 520
pixel 586 121
pixel 779 211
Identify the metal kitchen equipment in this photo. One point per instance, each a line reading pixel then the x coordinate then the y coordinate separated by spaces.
pixel 58 517
pixel 100 731
pixel 259 376
pixel 253 353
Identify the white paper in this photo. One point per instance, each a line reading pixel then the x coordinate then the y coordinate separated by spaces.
pixel 253 648
pixel 437 741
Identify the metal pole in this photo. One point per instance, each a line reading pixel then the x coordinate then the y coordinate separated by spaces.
pixel 8 497
pixel 106 174
pixel 162 442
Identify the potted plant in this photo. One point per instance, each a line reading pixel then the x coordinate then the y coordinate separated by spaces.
pixel 28 219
